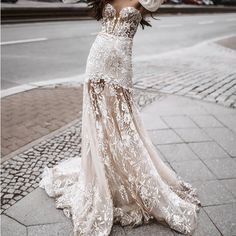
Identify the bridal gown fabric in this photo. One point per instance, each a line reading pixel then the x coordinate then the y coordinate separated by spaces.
pixel 119 178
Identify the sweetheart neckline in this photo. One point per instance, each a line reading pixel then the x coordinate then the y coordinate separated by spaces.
pixel 118 13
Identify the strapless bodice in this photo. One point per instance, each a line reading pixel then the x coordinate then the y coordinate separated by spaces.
pixel 123 24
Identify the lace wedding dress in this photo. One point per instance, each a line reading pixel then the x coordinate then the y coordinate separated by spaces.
pixel 119 177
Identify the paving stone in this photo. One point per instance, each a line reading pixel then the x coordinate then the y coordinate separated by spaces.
pixel 117 231
pixel 36 208
pixel 208 150
pixel 205 227
pixel 192 135
pixel 230 184
pixel 152 122
pixel 213 192
pixel 193 170
pixel 166 136
pixel 225 138
pixel 224 217
pixel 150 230
pixel 222 168
pixel 10 227
pixel 179 122
pixel 59 229
pixel 228 120
pixel 177 152
pixel 206 121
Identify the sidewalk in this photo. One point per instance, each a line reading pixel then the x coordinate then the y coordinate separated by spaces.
pixel 195 138
pixel 193 128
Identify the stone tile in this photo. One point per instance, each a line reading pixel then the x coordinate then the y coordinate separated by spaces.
pixel 10 227
pixel 213 193
pixel 150 230
pixel 230 184
pixel 166 136
pixel 222 168
pixel 206 121
pixel 152 121
pixel 59 229
pixel 228 120
pixel 224 217
pixel 36 208
pixel 208 150
pixel 117 231
pixel 177 152
pixel 205 227
pixel 225 138
pixel 179 122
pixel 193 170
pixel 192 135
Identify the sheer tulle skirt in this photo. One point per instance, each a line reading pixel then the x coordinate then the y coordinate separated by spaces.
pixel 119 177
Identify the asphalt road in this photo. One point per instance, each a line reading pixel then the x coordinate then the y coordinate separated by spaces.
pixel 44 51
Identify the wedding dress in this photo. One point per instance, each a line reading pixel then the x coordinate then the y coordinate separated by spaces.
pixel 119 177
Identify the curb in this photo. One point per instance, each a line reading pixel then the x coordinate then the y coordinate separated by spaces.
pixel 59 13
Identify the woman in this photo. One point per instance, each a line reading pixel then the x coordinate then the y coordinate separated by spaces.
pixel 120 178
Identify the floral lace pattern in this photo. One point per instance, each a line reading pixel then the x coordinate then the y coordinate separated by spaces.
pixel 119 177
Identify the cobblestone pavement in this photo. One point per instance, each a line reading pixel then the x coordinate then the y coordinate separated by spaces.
pixel 20 174
pixel 206 71
pixel 195 138
pixel 30 115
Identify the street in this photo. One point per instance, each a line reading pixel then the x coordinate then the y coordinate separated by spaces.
pixel 53 50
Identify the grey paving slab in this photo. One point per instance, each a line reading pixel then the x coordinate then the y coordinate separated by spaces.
pixel 150 230
pixel 193 170
pixel 10 227
pixel 215 109
pixel 36 208
pixel 166 136
pixel 208 150
pixel 206 121
pixel 228 120
pixel 222 168
pixel 205 226
pixel 58 229
pixel 224 217
pixel 193 135
pixel 230 184
pixel 225 138
pixel 179 121
pixel 177 152
pixel 151 121
pixel 117 231
pixel 213 192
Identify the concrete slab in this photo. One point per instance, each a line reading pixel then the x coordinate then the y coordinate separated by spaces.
pixel 213 193
pixel 58 229
pixel 166 136
pixel 224 217
pixel 206 121
pixel 151 121
pixel 193 170
pixel 205 226
pixel 225 138
pixel 36 208
pixel 193 135
pixel 230 184
pixel 179 122
pixel 177 152
pixel 228 120
pixel 150 230
pixel 10 227
pixel 222 168
pixel 208 150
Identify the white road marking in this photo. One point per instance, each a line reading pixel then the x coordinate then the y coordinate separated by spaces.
pixel 23 41
pixel 230 19
pixel 170 25
pixel 206 22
